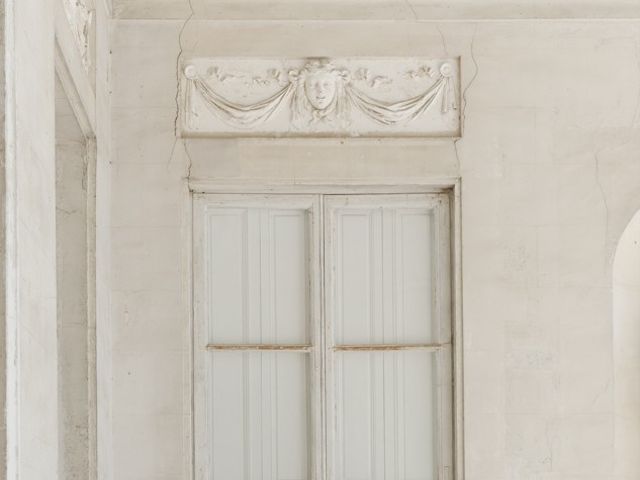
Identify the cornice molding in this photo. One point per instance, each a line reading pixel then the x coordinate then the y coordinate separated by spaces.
pixel 372 10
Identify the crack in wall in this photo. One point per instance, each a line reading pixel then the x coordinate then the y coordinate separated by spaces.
pixel 471 81
pixel 444 42
pixel 178 58
pixel 189 160
pixel 596 156
pixel 631 137
pixel 413 10
pixel 634 120
pixel 463 112
pixel 457 154
pixel 176 119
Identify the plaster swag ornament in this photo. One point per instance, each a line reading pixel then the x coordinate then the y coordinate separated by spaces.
pixel 321 96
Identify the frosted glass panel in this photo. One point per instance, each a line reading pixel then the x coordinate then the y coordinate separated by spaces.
pixel 383 275
pixel 412 266
pixel 227 252
pixel 356 277
pixel 289 264
pixel 259 416
pixel 386 415
pixel 258 275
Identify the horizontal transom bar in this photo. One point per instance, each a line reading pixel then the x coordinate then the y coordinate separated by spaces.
pixel 389 347
pixel 260 347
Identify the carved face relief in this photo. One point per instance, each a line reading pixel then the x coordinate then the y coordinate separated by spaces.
pixel 320 88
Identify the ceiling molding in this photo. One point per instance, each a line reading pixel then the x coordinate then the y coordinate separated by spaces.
pixel 378 10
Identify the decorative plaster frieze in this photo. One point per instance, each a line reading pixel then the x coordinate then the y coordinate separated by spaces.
pixel 320 96
pixel 80 18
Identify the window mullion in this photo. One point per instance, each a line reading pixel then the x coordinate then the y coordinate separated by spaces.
pixel 321 451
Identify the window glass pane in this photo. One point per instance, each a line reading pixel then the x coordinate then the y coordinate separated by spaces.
pixel 356 279
pixel 386 415
pixel 259 415
pixel 413 270
pixel 258 275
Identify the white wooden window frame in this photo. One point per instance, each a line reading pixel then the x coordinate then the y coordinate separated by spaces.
pixel 311 197
pixel 204 205
pixel 441 311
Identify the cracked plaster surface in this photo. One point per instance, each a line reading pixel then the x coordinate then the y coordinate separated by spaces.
pixel 549 165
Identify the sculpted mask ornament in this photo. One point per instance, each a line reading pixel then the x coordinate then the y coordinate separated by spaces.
pixel 320 95
pixel 320 84
pixel 320 88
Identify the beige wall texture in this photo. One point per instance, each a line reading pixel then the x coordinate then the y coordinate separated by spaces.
pixel 549 163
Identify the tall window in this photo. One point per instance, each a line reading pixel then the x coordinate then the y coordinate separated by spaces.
pixel 323 344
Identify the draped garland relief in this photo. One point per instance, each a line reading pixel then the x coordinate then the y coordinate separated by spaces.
pixel 321 97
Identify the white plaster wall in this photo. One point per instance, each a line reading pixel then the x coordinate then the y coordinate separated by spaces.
pixel 94 96
pixel 149 293
pixel 550 169
pixel 103 419
pixel 32 431
pixel 626 334
pixel 4 359
pixel 35 239
pixel 72 311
